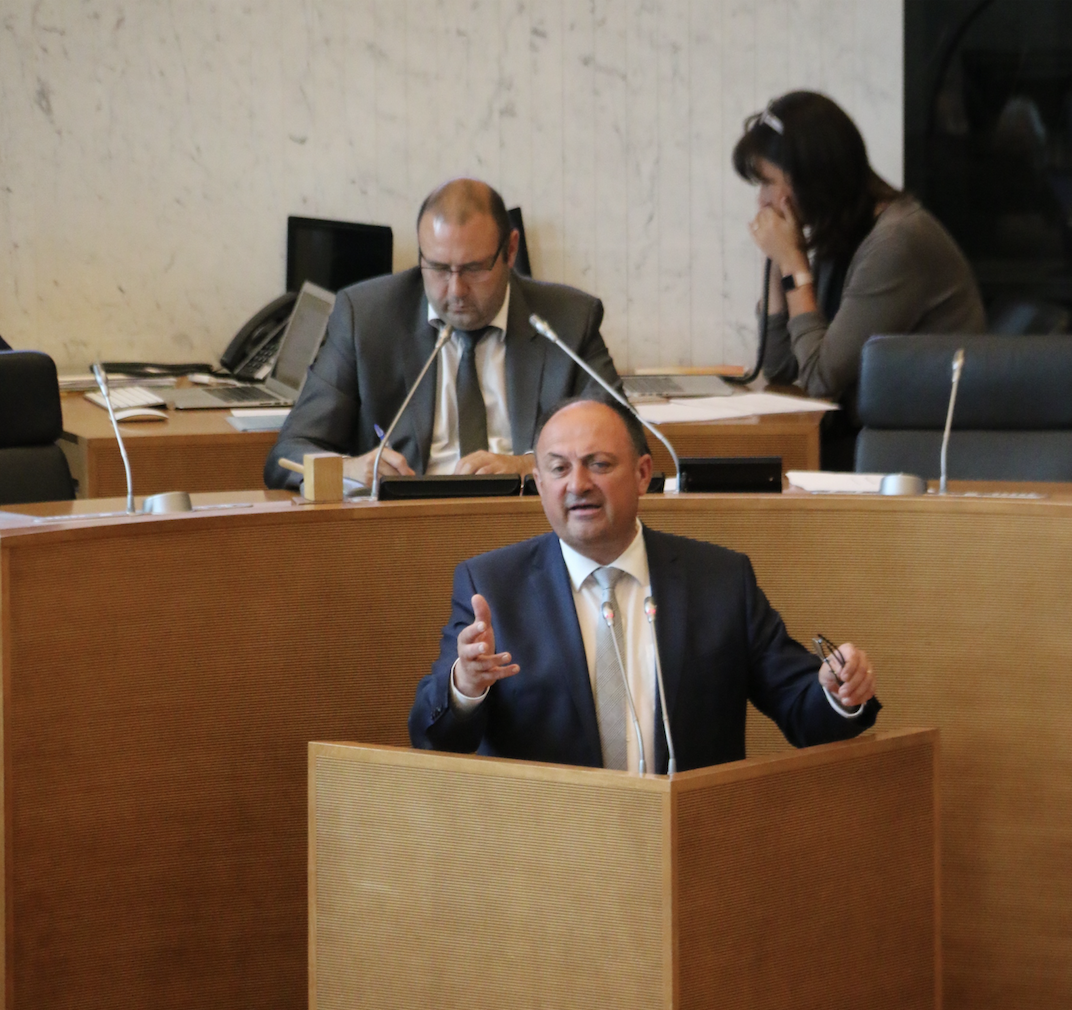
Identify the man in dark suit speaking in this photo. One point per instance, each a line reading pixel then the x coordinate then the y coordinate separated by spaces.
pixel 555 691
pixel 476 410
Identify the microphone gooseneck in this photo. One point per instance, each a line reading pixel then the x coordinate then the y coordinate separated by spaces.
pixel 444 335
pixel 608 616
pixel 650 610
pixel 102 384
pixel 958 367
pixel 544 329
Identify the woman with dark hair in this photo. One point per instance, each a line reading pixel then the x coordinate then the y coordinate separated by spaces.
pixel 851 256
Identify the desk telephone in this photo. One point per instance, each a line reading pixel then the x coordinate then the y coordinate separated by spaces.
pixel 253 351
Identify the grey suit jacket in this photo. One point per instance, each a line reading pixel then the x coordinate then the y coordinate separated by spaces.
pixel 378 339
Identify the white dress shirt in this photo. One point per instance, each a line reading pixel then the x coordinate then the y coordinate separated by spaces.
pixel 491 372
pixel 639 656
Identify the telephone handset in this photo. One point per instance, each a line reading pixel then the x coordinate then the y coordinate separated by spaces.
pixel 253 351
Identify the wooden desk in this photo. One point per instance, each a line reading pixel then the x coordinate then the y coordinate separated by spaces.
pixel 193 450
pixel 162 677
pixel 794 437
pixel 197 450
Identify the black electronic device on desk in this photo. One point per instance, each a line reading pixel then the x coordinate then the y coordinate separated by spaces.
pixel 451 485
pixel 656 486
pixel 303 332
pixel 731 474
pixel 330 254
pixel 252 352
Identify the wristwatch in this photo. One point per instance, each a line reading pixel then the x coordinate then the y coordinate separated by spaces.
pixel 790 282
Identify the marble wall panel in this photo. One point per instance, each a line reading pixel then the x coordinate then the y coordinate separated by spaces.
pixel 150 153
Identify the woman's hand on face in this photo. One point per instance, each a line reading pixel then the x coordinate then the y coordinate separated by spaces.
pixel 780 238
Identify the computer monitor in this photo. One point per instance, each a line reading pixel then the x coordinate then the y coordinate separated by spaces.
pixel 334 254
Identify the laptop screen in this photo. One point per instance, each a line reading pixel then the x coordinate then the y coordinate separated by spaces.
pixel 304 332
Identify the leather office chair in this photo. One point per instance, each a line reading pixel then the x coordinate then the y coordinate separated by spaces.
pixel 1013 415
pixel 32 466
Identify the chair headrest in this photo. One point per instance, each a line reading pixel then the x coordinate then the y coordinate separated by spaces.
pixel 1008 382
pixel 29 399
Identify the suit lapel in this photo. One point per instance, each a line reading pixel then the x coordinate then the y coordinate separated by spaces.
pixel 671 622
pixel 525 351
pixel 562 627
pixel 422 407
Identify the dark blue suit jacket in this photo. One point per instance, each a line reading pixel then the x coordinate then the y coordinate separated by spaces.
pixel 720 641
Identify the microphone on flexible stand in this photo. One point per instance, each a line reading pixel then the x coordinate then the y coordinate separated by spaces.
pixel 444 335
pixel 544 329
pixel 102 384
pixel 650 610
pixel 608 617
pixel 958 367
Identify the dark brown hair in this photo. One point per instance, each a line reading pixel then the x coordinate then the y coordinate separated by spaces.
pixel 821 151
pixel 463 197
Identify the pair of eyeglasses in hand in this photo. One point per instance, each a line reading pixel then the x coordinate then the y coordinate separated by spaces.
pixel 827 653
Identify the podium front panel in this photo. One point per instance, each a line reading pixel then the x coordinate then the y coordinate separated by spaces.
pixel 813 887
pixel 452 882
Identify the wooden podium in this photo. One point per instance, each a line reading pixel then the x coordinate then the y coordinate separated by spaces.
pixel 803 880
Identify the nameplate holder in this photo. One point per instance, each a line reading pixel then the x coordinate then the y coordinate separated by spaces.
pixel 731 474
pixel 492 485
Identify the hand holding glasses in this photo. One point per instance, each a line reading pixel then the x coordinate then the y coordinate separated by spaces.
pixel 827 653
pixel 851 675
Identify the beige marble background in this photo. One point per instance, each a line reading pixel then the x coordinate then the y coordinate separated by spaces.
pixel 151 151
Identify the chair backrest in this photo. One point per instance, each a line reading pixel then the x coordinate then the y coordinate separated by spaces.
pixel 32 466
pixel 1013 415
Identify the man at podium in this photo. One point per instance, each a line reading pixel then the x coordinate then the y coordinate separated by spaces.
pixel 576 615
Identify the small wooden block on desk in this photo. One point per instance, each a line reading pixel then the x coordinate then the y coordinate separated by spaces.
pixel 321 475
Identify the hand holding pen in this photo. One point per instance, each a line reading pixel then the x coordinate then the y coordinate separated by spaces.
pixel 392 463
pixel 846 672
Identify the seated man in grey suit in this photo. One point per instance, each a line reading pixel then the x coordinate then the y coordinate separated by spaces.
pixel 476 410
pixel 554 692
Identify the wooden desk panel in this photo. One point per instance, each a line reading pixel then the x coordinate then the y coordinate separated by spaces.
pixel 163 675
pixel 197 450
pixel 193 450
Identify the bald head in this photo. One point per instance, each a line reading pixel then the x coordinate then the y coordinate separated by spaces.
pixel 458 201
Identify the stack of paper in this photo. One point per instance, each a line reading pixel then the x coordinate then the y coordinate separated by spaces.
pixel 722 408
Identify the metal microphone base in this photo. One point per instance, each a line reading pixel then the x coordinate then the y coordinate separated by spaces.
pixel 168 501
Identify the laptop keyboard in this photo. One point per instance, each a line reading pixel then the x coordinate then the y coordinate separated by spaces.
pixel 243 394
pixel 651 385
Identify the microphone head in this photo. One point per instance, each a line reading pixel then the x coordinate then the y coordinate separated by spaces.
pixel 444 333
pixel 650 608
pixel 958 362
pixel 101 376
pixel 608 614
pixel 541 326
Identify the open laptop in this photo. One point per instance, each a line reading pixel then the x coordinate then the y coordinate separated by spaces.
pixel 675 385
pixel 301 340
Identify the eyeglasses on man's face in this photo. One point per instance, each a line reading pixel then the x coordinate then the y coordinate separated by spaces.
pixel 477 271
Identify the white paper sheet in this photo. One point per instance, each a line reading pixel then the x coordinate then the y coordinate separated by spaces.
pixel 722 408
pixel 829 482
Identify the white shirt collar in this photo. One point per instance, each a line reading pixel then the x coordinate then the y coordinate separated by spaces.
pixel 634 560
pixel 499 321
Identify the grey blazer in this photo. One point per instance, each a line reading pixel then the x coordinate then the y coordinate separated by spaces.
pixel 379 337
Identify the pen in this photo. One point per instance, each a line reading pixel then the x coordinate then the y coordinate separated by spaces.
pixel 379 431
